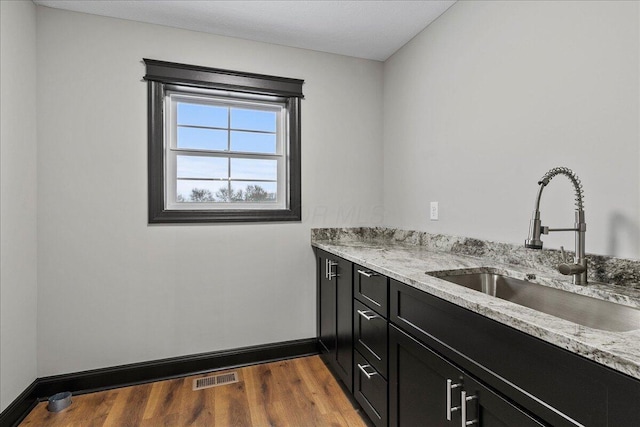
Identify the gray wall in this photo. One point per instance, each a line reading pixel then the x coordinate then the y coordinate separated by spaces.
pixel 18 287
pixel 492 95
pixel 115 290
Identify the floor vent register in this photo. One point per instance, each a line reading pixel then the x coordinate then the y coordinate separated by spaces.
pixel 215 380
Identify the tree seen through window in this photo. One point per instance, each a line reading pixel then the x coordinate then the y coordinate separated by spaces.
pixel 253 193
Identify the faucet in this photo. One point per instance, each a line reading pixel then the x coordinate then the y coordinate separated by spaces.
pixel 578 268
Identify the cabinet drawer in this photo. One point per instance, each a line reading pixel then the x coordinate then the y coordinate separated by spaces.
pixel 370 390
pixel 370 336
pixel 371 288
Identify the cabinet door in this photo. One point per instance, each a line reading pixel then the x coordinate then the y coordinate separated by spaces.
pixel 335 316
pixel 418 385
pixel 327 335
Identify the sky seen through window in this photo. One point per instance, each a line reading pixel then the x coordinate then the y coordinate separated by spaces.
pixel 222 129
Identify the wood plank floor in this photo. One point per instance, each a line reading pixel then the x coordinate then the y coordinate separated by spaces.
pixel 296 392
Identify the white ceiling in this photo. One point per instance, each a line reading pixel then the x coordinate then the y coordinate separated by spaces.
pixel 364 29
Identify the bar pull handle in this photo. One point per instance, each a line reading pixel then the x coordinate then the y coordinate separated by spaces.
pixel 367 273
pixel 330 272
pixel 364 314
pixel 463 403
pixel 363 368
pixel 451 409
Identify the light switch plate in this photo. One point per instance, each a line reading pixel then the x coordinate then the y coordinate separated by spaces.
pixel 433 215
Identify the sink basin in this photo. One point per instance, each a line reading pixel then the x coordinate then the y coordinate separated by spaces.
pixel 584 310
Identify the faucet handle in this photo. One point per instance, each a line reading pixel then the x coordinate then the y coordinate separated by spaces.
pixel 563 256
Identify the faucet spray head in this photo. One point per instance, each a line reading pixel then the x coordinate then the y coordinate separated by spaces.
pixel 535 226
pixel 535 229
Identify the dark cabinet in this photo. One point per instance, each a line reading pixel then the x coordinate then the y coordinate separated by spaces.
pixel 412 359
pixel 558 386
pixel 427 390
pixel 335 321
pixel 418 377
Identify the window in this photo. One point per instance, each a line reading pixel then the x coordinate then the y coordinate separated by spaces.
pixel 223 152
pixel 224 146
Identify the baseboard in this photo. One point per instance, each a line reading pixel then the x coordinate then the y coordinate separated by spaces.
pixel 156 370
pixel 20 407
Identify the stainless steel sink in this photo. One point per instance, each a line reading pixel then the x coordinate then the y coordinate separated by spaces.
pixel 584 310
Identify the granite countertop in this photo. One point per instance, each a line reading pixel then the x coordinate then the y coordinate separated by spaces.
pixel 407 256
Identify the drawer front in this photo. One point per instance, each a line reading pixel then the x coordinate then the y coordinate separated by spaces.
pixel 370 336
pixel 370 390
pixel 371 288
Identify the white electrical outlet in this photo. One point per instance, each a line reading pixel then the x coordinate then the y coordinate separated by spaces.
pixel 434 211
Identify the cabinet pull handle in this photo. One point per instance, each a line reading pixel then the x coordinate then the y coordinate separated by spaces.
pixel 367 273
pixel 326 268
pixel 463 402
pixel 451 409
pixel 364 314
pixel 330 273
pixel 364 371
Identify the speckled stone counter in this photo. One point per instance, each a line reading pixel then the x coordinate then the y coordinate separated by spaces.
pixel 407 256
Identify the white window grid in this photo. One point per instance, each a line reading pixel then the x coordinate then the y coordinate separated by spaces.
pixel 224 99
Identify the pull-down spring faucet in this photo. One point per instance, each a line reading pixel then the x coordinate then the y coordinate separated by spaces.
pixel 577 269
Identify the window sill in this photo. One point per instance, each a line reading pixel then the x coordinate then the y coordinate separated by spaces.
pixel 226 216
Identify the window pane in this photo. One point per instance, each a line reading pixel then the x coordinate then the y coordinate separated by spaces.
pixel 253 119
pixel 200 191
pixel 201 167
pixel 202 115
pixel 253 142
pixel 254 169
pixel 204 139
pixel 254 192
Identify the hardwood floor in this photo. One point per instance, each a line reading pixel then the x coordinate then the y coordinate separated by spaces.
pixel 297 392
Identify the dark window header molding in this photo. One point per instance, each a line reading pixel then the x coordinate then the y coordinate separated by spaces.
pixel 171 72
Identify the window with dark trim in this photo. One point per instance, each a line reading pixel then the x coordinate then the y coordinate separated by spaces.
pixel 224 146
